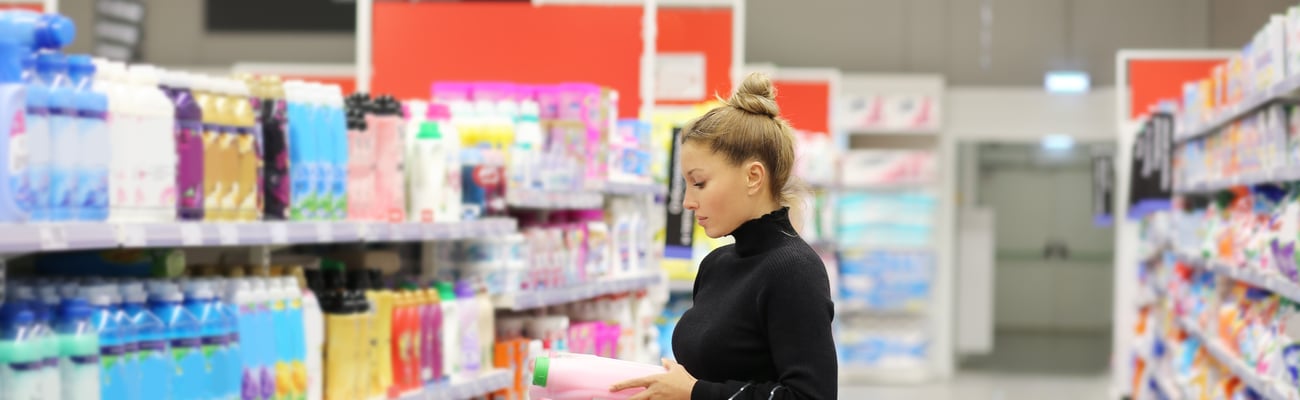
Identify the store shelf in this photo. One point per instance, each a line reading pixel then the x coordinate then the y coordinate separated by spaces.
pixel 1265 386
pixel 20 238
pixel 551 200
pixel 902 312
pixel 461 388
pixel 631 189
pixel 884 374
pixel 1285 174
pixel 681 286
pixel 550 297
pixel 1282 90
pixel 1264 280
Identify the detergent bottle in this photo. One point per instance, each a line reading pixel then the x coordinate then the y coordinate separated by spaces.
pixel 568 376
pixel 90 197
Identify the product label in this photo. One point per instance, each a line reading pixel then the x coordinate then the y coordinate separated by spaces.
pixel 189 169
pixel 79 376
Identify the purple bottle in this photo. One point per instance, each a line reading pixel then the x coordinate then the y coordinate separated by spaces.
pixel 189 145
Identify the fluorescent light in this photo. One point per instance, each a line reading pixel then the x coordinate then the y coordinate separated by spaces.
pixel 1058 142
pixel 1067 82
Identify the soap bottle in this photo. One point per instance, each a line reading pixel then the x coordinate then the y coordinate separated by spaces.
pixel 90 197
pixel 249 196
pixel 275 149
pixel 53 70
pixel 78 351
pixel 188 135
pixel 205 96
pixel 13 127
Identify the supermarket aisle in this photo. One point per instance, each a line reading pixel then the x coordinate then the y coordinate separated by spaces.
pixel 1027 366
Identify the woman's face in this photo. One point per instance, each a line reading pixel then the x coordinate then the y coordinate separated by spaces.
pixel 716 190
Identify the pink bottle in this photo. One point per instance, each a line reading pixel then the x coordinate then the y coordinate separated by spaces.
pixel 567 376
pixel 385 125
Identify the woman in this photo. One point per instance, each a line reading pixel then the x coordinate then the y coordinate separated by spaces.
pixel 761 324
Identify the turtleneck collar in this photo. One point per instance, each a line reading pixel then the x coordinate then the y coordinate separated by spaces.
pixel 764 233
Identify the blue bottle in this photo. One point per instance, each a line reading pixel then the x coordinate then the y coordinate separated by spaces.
pixel 13 123
pixel 337 126
pixel 185 337
pixel 45 309
pixel 20 357
pixel 301 169
pixel 78 350
pixel 153 361
pixel 53 70
pixel 90 199
pixel 29 150
pixel 234 363
pixel 200 300
pixel 112 353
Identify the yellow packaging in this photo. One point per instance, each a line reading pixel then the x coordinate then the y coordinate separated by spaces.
pixel 245 188
pixel 381 361
pixel 207 101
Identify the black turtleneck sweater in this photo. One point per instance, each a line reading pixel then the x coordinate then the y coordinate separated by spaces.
pixel 761 324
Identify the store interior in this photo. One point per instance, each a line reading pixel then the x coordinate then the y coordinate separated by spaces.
pixel 420 200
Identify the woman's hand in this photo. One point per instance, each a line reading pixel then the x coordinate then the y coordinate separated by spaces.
pixel 676 384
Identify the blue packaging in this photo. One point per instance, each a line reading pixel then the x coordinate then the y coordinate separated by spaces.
pixel 53 70
pixel 153 369
pixel 184 335
pixel 90 199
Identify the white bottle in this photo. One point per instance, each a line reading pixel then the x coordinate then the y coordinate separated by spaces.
pixel 450 334
pixel 314 329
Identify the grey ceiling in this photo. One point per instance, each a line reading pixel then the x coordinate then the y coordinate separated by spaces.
pixel 1028 37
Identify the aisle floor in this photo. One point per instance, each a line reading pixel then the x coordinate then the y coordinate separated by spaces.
pixel 1023 366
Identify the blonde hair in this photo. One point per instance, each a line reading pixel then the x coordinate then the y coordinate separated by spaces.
pixel 749 127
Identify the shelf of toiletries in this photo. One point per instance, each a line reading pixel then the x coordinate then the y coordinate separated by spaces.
pixel 1255 277
pixel 1284 174
pixel 1227 114
pixel 1262 385
pixel 546 297
pixel 17 238
pixel 681 285
pixel 467 387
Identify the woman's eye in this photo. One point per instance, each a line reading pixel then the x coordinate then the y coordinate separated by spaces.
pixel 699 185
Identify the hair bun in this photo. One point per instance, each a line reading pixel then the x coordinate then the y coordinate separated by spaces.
pixel 756 95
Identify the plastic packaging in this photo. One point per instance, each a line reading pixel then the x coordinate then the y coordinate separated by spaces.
pixel 153 360
pixel 184 333
pixel 78 351
pixel 568 376
pixel 90 196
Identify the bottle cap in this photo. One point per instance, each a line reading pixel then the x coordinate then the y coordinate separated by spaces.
pixel 541 371
pixel 439 112
pixel 74 309
pixel 57 31
pixel 16 313
pixel 446 291
pixel 51 62
pixel 80 65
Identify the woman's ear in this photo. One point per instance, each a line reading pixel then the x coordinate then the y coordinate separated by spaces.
pixel 755 175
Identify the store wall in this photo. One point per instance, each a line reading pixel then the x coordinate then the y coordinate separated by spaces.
pixel 1029 37
pixel 1028 113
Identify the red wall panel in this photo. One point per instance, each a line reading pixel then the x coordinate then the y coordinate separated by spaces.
pixel 805 104
pixel 1152 80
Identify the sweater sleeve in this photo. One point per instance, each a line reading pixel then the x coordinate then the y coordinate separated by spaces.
pixel 798 310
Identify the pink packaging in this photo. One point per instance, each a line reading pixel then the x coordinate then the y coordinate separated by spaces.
pixel 493 91
pixel 582 337
pixel 525 93
pixel 447 92
pixel 360 173
pixel 607 340
pixel 548 101
pixel 386 128
pixel 567 376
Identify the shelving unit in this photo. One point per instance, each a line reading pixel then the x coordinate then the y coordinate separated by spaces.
pixel 1271 282
pixel 556 296
pixel 21 238
pixel 1286 174
pixel 584 199
pixel 1286 88
pixel 1265 386
pixel 465 388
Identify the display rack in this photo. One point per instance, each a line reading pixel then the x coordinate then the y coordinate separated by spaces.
pixel 1265 386
pixel 1253 277
pixel 22 238
pixel 465 388
pixel 549 297
pixel 583 199
pixel 1286 88
pixel 1285 174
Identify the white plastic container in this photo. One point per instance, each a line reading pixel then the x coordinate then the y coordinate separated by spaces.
pixel 568 376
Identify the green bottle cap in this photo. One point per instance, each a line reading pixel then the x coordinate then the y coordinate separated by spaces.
pixel 541 371
pixel 429 130
pixel 446 292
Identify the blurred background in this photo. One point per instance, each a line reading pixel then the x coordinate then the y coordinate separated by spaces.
pixel 1016 199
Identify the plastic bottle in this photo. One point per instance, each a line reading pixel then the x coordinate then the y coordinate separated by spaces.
pixel 567 376
pixel 78 351
pixel 263 349
pixel 338 151
pixel 486 314
pixel 206 98
pixel 524 151
pixel 188 135
pixel 275 150
pixel 347 318
pixel 185 334
pixel 157 146
pixel 451 329
pixel 53 70
pixel 108 78
pixel 239 296
pixel 47 342
pixel 20 357
pixel 13 125
pixel 386 126
pixel 432 368
pixel 90 199
pixel 112 375
pixel 233 362
pixel 361 159
pixel 249 193
pixel 129 338
pixel 295 351
pixel 380 356
pixel 32 31
pixel 228 102
pixel 300 167
pixel 428 170
pixel 321 170
pixel 314 338
pixel 471 353
pixel 152 359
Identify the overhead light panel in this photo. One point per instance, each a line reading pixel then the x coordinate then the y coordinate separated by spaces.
pixel 1067 82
